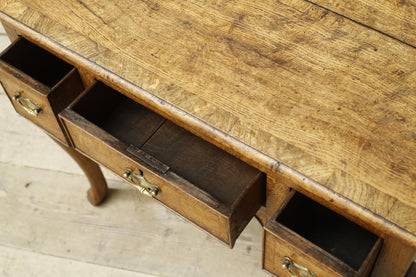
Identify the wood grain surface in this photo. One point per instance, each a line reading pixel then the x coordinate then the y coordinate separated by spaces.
pixel 272 81
pixel 394 259
pixel 396 18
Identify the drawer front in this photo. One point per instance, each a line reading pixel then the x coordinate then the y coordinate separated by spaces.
pixel 15 85
pixel 31 98
pixel 286 251
pixel 280 243
pixel 224 220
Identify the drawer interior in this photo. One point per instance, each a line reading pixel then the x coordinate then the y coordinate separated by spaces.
pixel 328 230
pixel 118 115
pixel 213 170
pixel 204 165
pixel 36 62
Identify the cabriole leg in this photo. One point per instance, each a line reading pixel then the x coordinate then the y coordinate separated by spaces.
pixel 98 186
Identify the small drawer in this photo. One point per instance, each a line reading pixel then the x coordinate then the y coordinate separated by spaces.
pixel 197 180
pixel 307 238
pixel 39 84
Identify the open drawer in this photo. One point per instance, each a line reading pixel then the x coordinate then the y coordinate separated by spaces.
pixel 307 238
pixel 38 84
pixel 197 180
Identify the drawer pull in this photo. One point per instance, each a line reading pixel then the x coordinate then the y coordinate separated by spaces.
pixel 27 105
pixel 288 263
pixel 140 183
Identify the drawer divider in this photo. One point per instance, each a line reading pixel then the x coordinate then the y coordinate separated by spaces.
pixel 148 159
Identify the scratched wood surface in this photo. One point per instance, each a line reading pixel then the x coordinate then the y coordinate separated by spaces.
pixel 396 18
pixel 324 95
pixel 48 228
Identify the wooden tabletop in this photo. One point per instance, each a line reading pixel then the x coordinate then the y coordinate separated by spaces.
pixel 326 88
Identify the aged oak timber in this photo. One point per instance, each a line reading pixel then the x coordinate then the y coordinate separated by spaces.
pixel 319 96
pixel 394 18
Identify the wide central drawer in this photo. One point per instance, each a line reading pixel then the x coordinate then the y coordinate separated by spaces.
pixel 196 179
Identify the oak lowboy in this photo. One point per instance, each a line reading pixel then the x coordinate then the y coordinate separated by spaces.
pixel 284 110
pixel 197 180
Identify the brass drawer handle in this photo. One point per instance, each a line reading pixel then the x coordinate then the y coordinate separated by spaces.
pixel 140 183
pixel 288 263
pixel 27 105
